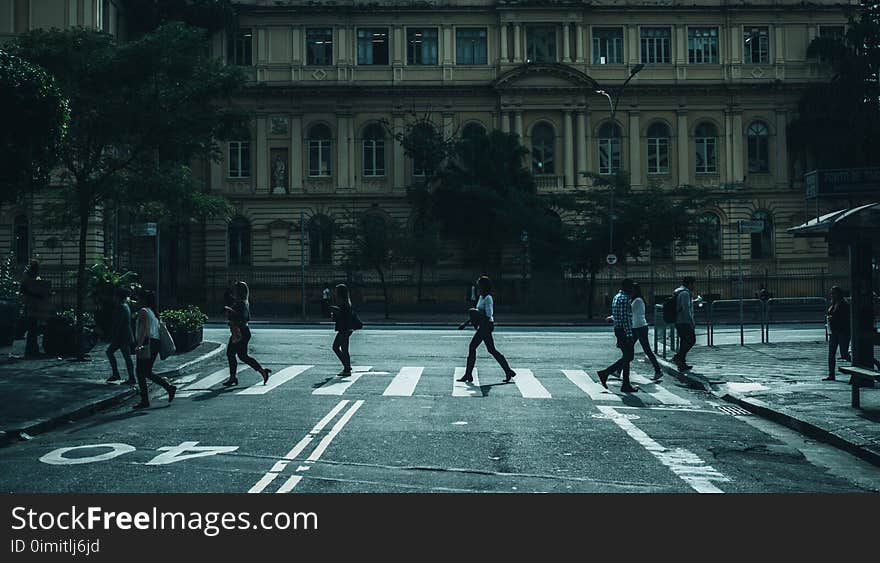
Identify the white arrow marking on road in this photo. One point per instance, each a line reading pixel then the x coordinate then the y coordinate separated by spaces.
pixel 339 384
pixel 529 386
pixel 596 392
pixel 660 393
pixel 275 380
pixel 404 383
pixel 462 389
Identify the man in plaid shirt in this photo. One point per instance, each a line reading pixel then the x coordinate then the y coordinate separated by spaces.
pixel 621 312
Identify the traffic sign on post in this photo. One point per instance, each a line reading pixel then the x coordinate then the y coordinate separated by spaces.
pixel 611 259
pixel 751 226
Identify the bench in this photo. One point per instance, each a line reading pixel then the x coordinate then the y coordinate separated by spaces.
pixel 859 377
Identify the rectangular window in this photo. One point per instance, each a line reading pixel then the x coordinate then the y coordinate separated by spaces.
pixel 707 156
pixel 756 45
pixel 238 50
pixel 606 147
pixel 319 46
pixel 607 45
pixel 372 46
pixel 658 155
pixel 421 46
pixel 374 158
pixel 470 46
pixel 541 45
pixel 703 45
pixel 319 157
pixel 656 42
pixel 239 159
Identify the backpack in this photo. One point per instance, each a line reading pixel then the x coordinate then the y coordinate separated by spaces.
pixel 670 310
pixel 356 323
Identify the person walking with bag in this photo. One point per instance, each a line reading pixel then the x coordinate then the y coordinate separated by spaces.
pixel 346 322
pixel 838 330
pixel 239 316
pixel 148 347
pixel 485 327
pixel 121 337
pixel 640 328
pixel 621 313
pixel 684 322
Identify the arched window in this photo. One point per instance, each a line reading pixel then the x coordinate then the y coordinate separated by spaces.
pixel 762 243
pixel 239 241
pixel 374 151
pixel 658 148
pixel 709 236
pixel 473 130
pixel 22 236
pixel 759 147
pixel 320 145
pixel 543 149
pixel 706 141
pixel 320 240
pixel 609 148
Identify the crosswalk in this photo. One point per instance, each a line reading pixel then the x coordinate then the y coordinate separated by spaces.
pixel 408 381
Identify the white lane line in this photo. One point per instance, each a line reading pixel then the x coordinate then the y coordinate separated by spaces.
pixel 206 383
pixel 338 385
pixel 685 464
pixel 288 485
pixel 529 386
pixel 279 466
pixel 586 384
pixel 462 389
pixel 404 383
pixel 275 380
pixel 325 441
pixel 662 394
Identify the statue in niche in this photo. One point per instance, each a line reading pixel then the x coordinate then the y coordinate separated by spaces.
pixel 279 178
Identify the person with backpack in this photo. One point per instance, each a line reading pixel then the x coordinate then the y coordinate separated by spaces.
pixel 121 336
pixel 485 324
pixel 684 322
pixel 621 313
pixel 838 330
pixel 347 322
pixel 640 328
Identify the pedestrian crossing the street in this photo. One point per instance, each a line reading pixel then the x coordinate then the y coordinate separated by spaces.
pixel 409 381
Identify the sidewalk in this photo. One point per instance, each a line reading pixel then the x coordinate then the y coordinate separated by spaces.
pixel 432 319
pixel 41 394
pixel 783 382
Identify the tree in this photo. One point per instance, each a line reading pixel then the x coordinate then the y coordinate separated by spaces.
pixel 838 120
pixel 140 112
pixel 145 16
pixel 422 246
pixel 654 216
pixel 35 120
pixel 373 241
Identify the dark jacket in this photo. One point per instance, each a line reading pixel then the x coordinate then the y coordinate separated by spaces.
pixel 241 313
pixel 344 317
pixel 838 318
pixel 121 333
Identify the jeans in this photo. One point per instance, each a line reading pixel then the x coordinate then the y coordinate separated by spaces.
pixel 641 335
pixel 145 372
pixel 627 348
pixel 484 334
pixel 687 339
pixel 240 349
pixel 340 348
pixel 32 347
pixel 126 355
pixel 836 339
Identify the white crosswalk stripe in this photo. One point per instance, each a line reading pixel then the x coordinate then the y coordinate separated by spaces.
pixel 596 392
pixel 529 386
pixel 662 394
pixel 338 386
pixel 404 383
pixel 275 380
pixel 461 389
pixel 206 383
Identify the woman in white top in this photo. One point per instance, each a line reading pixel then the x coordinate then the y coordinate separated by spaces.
pixel 147 346
pixel 640 328
pixel 486 306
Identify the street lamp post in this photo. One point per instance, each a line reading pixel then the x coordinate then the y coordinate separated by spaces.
pixel 612 102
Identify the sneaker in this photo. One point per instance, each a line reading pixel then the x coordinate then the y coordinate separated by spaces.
pixel 603 378
pixel 829 378
pixel 114 379
pixel 344 373
pixel 171 391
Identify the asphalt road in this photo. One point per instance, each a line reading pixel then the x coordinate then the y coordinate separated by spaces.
pixel 400 424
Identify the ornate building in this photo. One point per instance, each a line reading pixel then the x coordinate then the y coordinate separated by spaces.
pixel 711 105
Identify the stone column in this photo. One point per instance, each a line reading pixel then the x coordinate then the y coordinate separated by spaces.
pixel 296 45
pixel 261 173
pixel 399 159
pixel 781 164
pixel 448 124
pixel 779 43
pixel 566 43
pixel 296 153
pixel 727 171
pixel 684 149
pixel 505 122
pixel 631 47
pixel 340 171
pixel 635 149
pixel 737 147
pixel 446 45
pixel 503 45
pixel 588 139
pixel 580 148
pixel 517 43
pixel 568 148
pixel 579 44
pixel 398 43
pixel 350 144
pixel 518 124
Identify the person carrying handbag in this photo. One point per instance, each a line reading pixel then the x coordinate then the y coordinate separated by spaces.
pixel 346 322
pixel 485 325
pixel 148 346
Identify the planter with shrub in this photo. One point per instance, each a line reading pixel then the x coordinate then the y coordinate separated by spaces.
pixel 103 283
pixel 59 339
pixel 185 326
pixel 10 300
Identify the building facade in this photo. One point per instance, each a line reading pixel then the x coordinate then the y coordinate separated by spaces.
pixel 710 107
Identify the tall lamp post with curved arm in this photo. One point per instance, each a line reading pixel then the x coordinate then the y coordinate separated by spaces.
pixel 612 102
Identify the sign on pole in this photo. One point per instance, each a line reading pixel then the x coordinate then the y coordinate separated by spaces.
pixel 611 259
pixel 145 229
pixel 751 226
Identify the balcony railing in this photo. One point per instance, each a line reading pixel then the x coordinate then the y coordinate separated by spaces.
pixel 546 182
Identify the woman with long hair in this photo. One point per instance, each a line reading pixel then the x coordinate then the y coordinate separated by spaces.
pixel 486 308
pixel 345 323
pixel 839 330
pixel 147 348
pixel 239 315
pixel 640 328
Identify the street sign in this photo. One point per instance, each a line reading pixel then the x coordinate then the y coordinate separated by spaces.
pixel 842 182
pixel 144 229
pixel 751 226
pixel 611 259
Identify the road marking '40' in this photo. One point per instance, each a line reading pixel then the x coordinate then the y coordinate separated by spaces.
pixel 171 454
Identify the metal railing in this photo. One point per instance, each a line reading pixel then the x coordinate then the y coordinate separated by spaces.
pixel 796 309
pixel 738 311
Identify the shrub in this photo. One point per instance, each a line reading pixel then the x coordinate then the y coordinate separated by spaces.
pixel 9 282
pixel 183 320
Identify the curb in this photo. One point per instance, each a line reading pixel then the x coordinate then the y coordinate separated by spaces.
pixel 763 410
pixel 40 426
